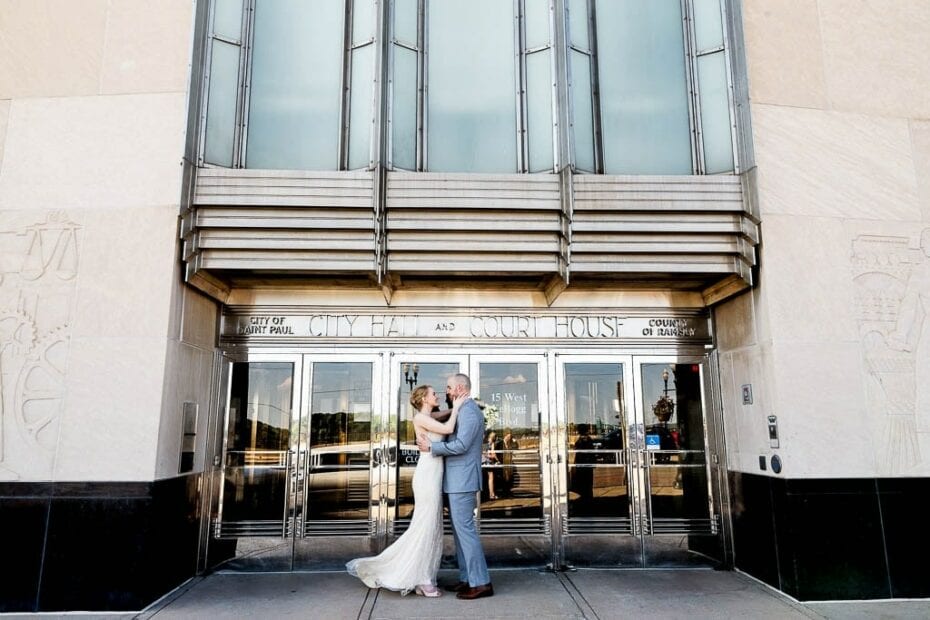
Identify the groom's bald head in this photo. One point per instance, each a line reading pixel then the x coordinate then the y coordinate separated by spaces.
pixel 458 385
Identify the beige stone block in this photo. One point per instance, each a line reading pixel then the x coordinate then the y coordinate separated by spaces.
pixel 806 274
pixel 876 56
pixel 820 405
pixel 148 46
pixel 920 144
pixel 110 426
pixel 819 163
pixel 4 118
pixel 784 52
pixel 735 322
pixel 125 272
pixel 93 152
pixel 51 48
pixel 199 319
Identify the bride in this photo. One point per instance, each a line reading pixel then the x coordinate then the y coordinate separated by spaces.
pixel 411 563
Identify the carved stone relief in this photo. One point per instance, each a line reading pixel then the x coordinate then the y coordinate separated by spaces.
pixel 892 278
pixel 38 265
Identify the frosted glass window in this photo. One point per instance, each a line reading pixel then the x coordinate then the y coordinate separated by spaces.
pixel 363 20
pixel 404 109
pixel 227 18
pixel 715 114
pixel 708 29
pixel 578 23
pixel 643 91
pixel 295 95
pixel 539 111
pixel 221 104
pixel 361 107
pixel 405 21
pixel 536 16
pixel 472 91
pixel 582 111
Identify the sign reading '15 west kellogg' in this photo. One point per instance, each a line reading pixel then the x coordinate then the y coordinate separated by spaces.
pixel 438 326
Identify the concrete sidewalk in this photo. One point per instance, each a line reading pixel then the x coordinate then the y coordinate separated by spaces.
pixel 591 594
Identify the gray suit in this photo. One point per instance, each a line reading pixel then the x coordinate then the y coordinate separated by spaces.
pixel 461 482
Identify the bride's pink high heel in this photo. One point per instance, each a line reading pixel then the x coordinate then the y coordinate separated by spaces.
pixel 428 590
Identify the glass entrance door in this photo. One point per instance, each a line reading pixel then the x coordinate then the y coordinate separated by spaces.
pixel 300 470
pixel 635 482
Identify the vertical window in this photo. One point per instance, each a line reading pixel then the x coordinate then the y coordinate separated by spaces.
pixel 649 87
pixel 302 97
pixel 223 78
pixel 294 99
pixel 537 70
pixel 643 87
pixel 712 71
pixel 471 86
pixel 406 49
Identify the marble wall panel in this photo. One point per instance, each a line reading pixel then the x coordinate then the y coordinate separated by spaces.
pixel 39 261
pixel 148 47
pixel 51 48
pixel 890 272
pixel 831 164
pixel 809 293
pixel 109 427
pixel 93 152
pixel 784 52
pixel 920 144
pixel 875 56
pixel 4 118
pixel 820 403
pixel 125 281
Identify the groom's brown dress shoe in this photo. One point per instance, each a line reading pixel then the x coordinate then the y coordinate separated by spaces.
pixel 458 586
pixel 476 592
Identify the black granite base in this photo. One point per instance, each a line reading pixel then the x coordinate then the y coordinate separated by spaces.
pixel 830 539
pixel 96 546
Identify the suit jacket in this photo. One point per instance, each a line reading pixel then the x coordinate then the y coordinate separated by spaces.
pixel 462 451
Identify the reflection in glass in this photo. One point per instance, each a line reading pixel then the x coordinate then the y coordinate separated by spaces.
pixel 675 453
pixel 715 113
pixel 597 471
pixel 360 108
pixel 510 392
pixel 340 441
pixel 582 111
pixel 257 443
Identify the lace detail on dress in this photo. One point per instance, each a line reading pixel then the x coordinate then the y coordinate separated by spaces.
pixel 413 559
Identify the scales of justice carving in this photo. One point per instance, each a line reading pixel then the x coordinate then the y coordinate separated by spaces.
pixel 892 287
pixel 38 265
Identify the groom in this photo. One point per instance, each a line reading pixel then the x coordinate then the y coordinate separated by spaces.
pixel 461 482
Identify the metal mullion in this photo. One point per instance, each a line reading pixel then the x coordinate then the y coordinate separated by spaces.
pixel 240 141
pixel 422 85
pixel 694 104
pixel 342 153
pixel 595 91
pixel 554 81
pixel 520 82
pixel 205 85
pixel 731 94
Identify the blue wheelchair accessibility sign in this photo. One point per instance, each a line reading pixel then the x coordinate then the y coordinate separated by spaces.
pixel 653 442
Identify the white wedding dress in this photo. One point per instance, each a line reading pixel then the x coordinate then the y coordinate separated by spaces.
pixel 413 559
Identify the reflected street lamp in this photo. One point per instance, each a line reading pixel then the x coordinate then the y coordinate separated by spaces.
pixel 410 374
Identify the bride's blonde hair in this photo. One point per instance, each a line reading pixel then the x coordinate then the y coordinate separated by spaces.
pixel 417 396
